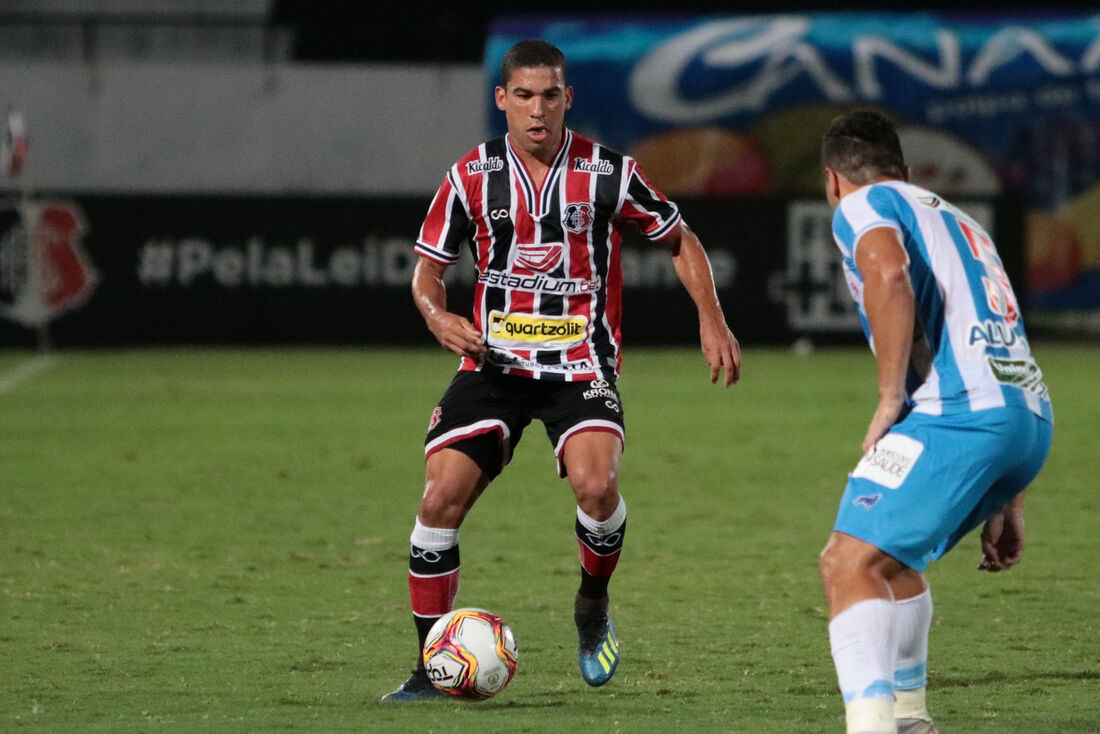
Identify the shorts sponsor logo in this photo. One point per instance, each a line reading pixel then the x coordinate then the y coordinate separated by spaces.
pixel 540 258
pixel 890 461
pixel 577 217
pixel 601 389
pixel 535 332
pixel 1022 373
pixel 437 416
pixel 494 163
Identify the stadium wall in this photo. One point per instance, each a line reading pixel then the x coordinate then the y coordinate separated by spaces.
pixel 272 204
pixel 374 129
pixel 201 269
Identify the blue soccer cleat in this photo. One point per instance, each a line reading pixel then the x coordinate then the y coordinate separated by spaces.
pixel 599 647
pixel 417 688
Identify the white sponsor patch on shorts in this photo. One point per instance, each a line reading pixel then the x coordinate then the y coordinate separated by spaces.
pixel 890 461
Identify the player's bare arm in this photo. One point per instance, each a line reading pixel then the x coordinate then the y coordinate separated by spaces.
pixel 1003 536
pixel 453 332
pixel 720 347
pixel 889 303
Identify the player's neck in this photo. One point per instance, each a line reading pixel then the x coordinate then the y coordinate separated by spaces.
pixel 537 160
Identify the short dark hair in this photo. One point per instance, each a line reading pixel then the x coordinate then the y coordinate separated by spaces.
pixel 528 54
pixel 863 146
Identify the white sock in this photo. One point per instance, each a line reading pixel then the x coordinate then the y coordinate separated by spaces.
pixel 910 705
pixel 604 527
pixel 433 539
pixel 864 647
pixel 913 620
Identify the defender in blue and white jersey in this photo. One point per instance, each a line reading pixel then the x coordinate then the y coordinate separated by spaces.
pixel 962 426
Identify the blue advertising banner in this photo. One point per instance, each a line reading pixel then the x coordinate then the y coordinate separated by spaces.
pixel 988 105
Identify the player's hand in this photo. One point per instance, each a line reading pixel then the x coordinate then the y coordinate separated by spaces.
pixel 722 352
pixel 456 334
pixel 1002 539
pixel 886 415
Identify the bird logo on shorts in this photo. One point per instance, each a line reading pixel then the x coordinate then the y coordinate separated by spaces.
pixel 867 501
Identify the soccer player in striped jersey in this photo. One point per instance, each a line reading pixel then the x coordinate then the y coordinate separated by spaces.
pixel 542 210
pixel 963 423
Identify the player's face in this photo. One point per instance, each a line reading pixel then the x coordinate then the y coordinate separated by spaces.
pixel 534 104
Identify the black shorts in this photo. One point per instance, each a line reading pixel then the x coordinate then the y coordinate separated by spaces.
pixel 483 415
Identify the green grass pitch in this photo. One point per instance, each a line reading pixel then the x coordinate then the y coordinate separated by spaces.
pixel 216 540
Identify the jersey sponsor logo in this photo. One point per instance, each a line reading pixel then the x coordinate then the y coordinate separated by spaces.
pixel 1022 373
pixel 507 359
pixel 890 461
pixel 600 168
pixel 990 333
pixel 540 283
pixel 577 217
pixel 535 332
pixel 543 258
pixel 494 163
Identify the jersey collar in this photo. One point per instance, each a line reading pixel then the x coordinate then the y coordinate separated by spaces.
pixel 540 200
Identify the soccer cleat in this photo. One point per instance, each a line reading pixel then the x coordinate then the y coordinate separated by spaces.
pixel 599 647
pixel 416 688
pixel 915 726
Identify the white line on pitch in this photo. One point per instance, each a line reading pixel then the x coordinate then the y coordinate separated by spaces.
pixel 25 371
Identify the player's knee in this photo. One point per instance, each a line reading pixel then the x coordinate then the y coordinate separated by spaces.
pixel 596 491
pixel 826 565
pixel 838 566
pixel 440 508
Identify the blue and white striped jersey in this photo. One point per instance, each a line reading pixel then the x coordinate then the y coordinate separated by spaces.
pixel 980 354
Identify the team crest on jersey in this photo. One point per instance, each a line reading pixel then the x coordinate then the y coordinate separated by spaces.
pixel 437 415
pixel 577 217
pixel 540 258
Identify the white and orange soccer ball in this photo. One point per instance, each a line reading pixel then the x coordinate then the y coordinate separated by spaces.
pixel 470 652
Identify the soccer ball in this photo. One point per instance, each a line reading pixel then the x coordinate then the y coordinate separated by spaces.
pixel 470 652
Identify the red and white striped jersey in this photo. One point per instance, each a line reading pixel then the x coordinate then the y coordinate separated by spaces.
pixel 548 298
